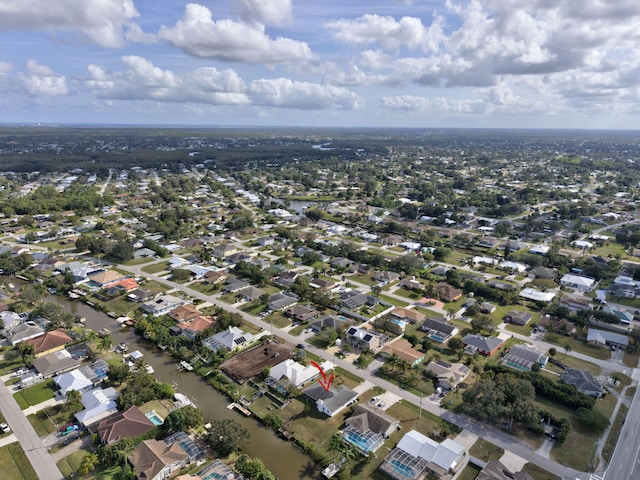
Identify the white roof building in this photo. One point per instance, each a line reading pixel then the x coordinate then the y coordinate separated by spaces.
pixel 540 249
pixel 537 295
pixel 578 282
pixel 73 380
pixel 98 404
pixel 297 373
pixel 229 339
pixel 515 266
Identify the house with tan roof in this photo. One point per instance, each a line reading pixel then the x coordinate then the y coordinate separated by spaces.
pixel 106 278
pixel 130 423
pixel 155 460
pixel 184 312
pixel 404 350
pixel 49 342
pixel 448 293
pixel 408 314
pixel 214 277
pixel 449 375
pixel 191 328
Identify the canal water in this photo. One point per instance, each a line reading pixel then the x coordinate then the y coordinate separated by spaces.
pixel 283 458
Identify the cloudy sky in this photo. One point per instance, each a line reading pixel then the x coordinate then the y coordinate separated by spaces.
pixel 394 63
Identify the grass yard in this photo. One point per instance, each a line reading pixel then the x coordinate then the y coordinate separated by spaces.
pixel 277 320
pixel 156 267
pixel 486 451
pixel 538 473
pixel 71 463
pixel 347 378
pixel 631 358
pixel 42 426
pixel 14 463
pixel 614 433
pixel 137 261
pixel 394 301
pixel 9 363
pixel 577 346
pixel 34 395
pixel 470 472
pixel 254 308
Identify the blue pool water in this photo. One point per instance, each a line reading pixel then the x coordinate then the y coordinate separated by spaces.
pixel 402 469
pixel 154 417
pixel 437 338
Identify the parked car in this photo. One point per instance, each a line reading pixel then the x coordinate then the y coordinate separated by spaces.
pixel 5 428
pixel 67 429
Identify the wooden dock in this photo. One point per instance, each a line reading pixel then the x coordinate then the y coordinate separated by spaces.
pixel 240 408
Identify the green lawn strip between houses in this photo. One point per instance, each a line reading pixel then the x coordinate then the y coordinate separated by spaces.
pixel 34 395
pixel 14 464
pixel 486 451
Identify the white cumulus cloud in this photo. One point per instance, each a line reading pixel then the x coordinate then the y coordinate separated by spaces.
pixel 41 80
pixel 104 22
pixel 142 80
pixel 198 34
pixel 268 12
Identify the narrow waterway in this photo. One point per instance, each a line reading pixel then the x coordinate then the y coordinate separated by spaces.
pixel 283 458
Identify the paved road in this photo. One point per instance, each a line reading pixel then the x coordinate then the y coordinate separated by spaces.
pixel 487 432
pixel 625 462
pixel 33 446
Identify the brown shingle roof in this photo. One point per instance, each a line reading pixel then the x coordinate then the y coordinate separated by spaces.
pixel 184 312
pixel 130 423
pixel 48 341
pixel 151 456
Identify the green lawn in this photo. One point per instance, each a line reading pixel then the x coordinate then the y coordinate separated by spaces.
pixel 577 346
pixel 156 267
pixel 10 362
pixel 42 426
pixel 71 463
pixel 14 463
pixel 538 473
pixel 394 301
pixel 486 451
pixel 470 472
pixel 34 395
pixel 612 439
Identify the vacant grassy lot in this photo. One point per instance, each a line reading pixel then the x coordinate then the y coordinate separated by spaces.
pixel 156 267
pixel 538 473
pixel 14 464
pixel 71 463
pixel 470 472
pixel 394 301
pixel 486 451
pixel 578 346
pixel 34 395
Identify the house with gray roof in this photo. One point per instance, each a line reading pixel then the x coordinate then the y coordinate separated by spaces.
pixel 583 381
pixel 162 305
pixel 230 339
pixel 439 331
pixel 517 318
pixel 331 401
pixel 55 363
pixel 282 300
pixel 603 338
pixel 484 345
pixel 23 331
pixel 524 358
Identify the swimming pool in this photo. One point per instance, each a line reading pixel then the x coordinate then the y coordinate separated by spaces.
pixel 154 417
pixel 365 442
pixel 437 338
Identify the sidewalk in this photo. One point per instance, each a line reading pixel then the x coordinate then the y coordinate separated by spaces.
pixel 42 405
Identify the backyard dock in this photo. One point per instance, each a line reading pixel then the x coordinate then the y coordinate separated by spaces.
pixel 240 408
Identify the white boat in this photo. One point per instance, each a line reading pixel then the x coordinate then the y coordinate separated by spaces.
pixel 149 369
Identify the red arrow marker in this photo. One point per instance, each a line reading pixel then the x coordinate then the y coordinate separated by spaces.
pixel 326 384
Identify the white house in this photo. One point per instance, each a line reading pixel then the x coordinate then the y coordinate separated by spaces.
pixel 537 295
pixel 229 339
pixel 578 282
pixel 296 373
pixel 419 455
pixel 98 404
pixel 331 401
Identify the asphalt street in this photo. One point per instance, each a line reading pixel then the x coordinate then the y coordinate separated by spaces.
pixel 625 462
pixel 33 446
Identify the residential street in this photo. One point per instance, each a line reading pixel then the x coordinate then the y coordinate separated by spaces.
pixel 483 431
pixel 33 446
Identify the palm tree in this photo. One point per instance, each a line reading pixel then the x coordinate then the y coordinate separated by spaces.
pixel 105 342
pixel 335 443
pixel 73 398
pixel 89 463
